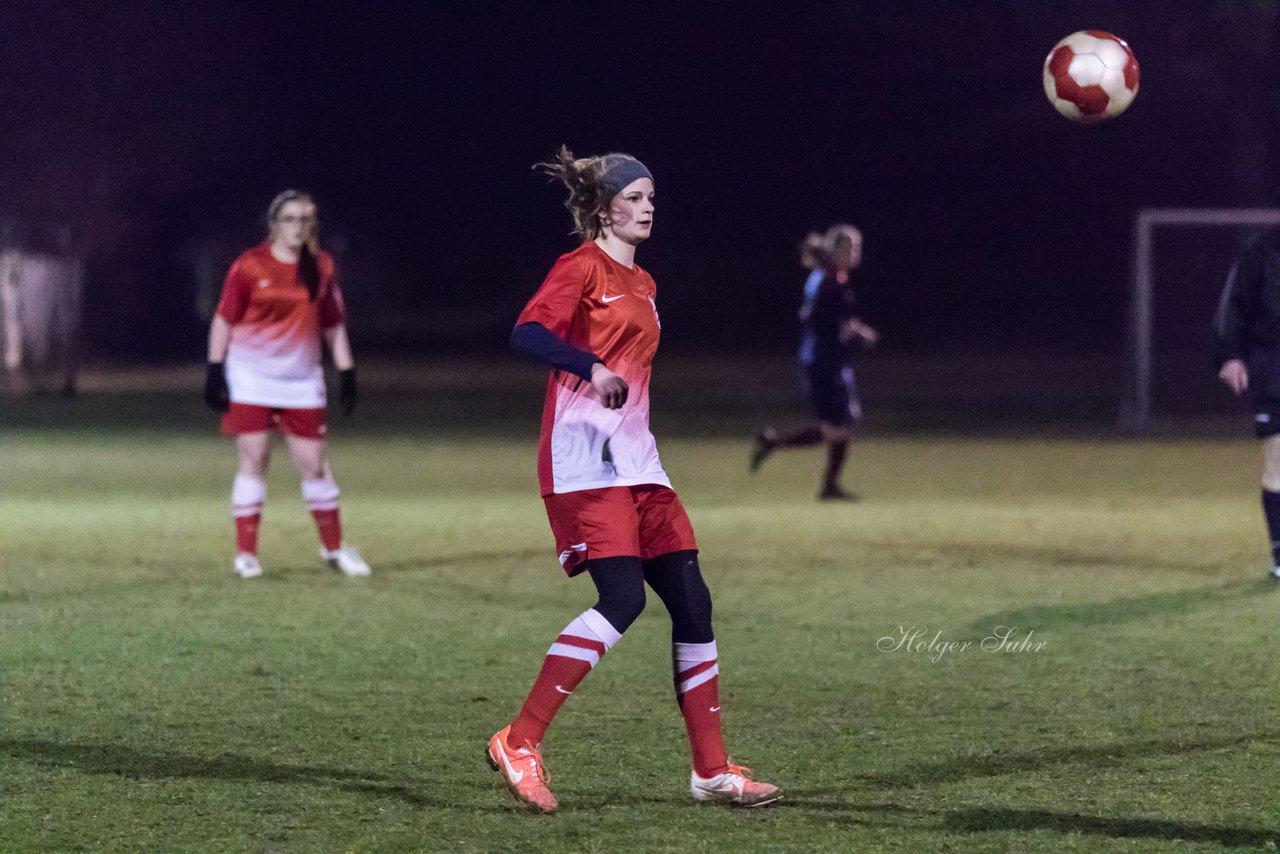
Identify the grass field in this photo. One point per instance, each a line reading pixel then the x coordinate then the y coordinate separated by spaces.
pixel 153 702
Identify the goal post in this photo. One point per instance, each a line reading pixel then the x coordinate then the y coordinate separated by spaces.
pixel 1136 398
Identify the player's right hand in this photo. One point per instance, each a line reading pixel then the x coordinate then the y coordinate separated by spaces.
pixel 611 387
pixel 1235 375
pixel 216 393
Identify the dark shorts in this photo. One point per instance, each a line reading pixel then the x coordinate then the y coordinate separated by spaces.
pixel 1266 418
pixel 833 393
pixel 1263 363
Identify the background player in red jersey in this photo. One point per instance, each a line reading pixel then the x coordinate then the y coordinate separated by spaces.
pixel 279 300
pixel 613 513
pixel 830 332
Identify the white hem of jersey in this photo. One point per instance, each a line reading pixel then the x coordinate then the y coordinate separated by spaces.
pixel 272 405
pixel 647 480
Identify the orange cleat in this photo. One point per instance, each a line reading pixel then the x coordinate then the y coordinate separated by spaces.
pixel 736 787
pixel 522 771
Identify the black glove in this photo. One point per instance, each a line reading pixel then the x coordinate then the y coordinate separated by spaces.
pixel 347 394
pixel 216 393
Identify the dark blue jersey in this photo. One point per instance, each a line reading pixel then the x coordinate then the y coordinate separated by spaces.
pixel 828 304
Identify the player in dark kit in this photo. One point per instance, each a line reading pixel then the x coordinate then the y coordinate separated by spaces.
pixel 830 332
pixel 1248 337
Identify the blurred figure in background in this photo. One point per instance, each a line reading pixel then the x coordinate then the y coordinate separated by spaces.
pixel 279 301
pixel 1247 329
pixel 830 332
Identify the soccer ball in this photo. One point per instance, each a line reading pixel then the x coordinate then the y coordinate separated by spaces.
pixel 1090 76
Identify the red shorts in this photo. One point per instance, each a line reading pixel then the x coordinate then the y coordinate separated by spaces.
pixel 617 521
pixel 251 418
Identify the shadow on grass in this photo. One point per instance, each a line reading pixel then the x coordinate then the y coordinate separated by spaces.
pixel 404 568
pixel 1096 756
pixel 996 819
pixel 1126 610
pixel 291 573
pixel 123 761
pixel 982 556
pixel 986 819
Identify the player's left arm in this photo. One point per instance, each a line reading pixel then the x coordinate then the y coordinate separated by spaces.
pixel 340 350
pixel 852 327
pixel 339 344
pixel 333 325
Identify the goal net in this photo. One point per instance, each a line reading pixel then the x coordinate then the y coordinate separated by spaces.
pixel 1180 261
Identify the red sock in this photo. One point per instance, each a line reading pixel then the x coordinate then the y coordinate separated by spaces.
pixel 578 649
pixel 247 533
pixel 698 693
pixel 329 524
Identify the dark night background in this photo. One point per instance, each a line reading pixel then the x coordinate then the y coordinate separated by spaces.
pixel 157 132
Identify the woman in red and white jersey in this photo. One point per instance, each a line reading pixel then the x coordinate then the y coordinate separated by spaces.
pixel 279 302
pixel 594 322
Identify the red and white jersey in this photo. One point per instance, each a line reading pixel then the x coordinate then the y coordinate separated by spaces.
pixel 606 308
pixel 274 355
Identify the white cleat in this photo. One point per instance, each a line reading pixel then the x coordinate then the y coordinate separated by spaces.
pixel 347 561
pixel 247 566
pixel 1275 572
pixel 734 786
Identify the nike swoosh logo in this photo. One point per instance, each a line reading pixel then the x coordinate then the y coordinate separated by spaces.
pixel 714 709
pixel 563 691
pixel 611 299
pixel 512 774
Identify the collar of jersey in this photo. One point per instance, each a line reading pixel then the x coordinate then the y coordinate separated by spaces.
pixel 612 260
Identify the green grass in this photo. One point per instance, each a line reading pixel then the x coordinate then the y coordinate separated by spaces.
pixel 153 702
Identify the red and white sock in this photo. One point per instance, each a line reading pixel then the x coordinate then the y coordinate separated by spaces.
pixel 698 693
pixel 248 494
pixel 322 498
pixel 578 649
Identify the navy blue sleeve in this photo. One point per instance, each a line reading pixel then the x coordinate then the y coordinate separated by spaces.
pixel 1237 307
pixel 537 342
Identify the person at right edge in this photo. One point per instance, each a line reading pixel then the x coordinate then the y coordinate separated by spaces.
pixel 1247 328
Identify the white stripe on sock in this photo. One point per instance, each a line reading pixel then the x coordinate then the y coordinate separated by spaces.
pixel 590 656
pixel 705 676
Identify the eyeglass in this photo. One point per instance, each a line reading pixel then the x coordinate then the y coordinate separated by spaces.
pixel 292 219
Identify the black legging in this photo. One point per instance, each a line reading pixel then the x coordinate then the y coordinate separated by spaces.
pixel 674 576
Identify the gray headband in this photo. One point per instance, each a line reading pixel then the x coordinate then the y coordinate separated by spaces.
pixel 622 173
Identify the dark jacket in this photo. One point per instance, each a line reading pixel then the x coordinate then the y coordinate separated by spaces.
pixel 1247 325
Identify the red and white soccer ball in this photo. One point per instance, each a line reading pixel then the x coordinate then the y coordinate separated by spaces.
pixel 1090 76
